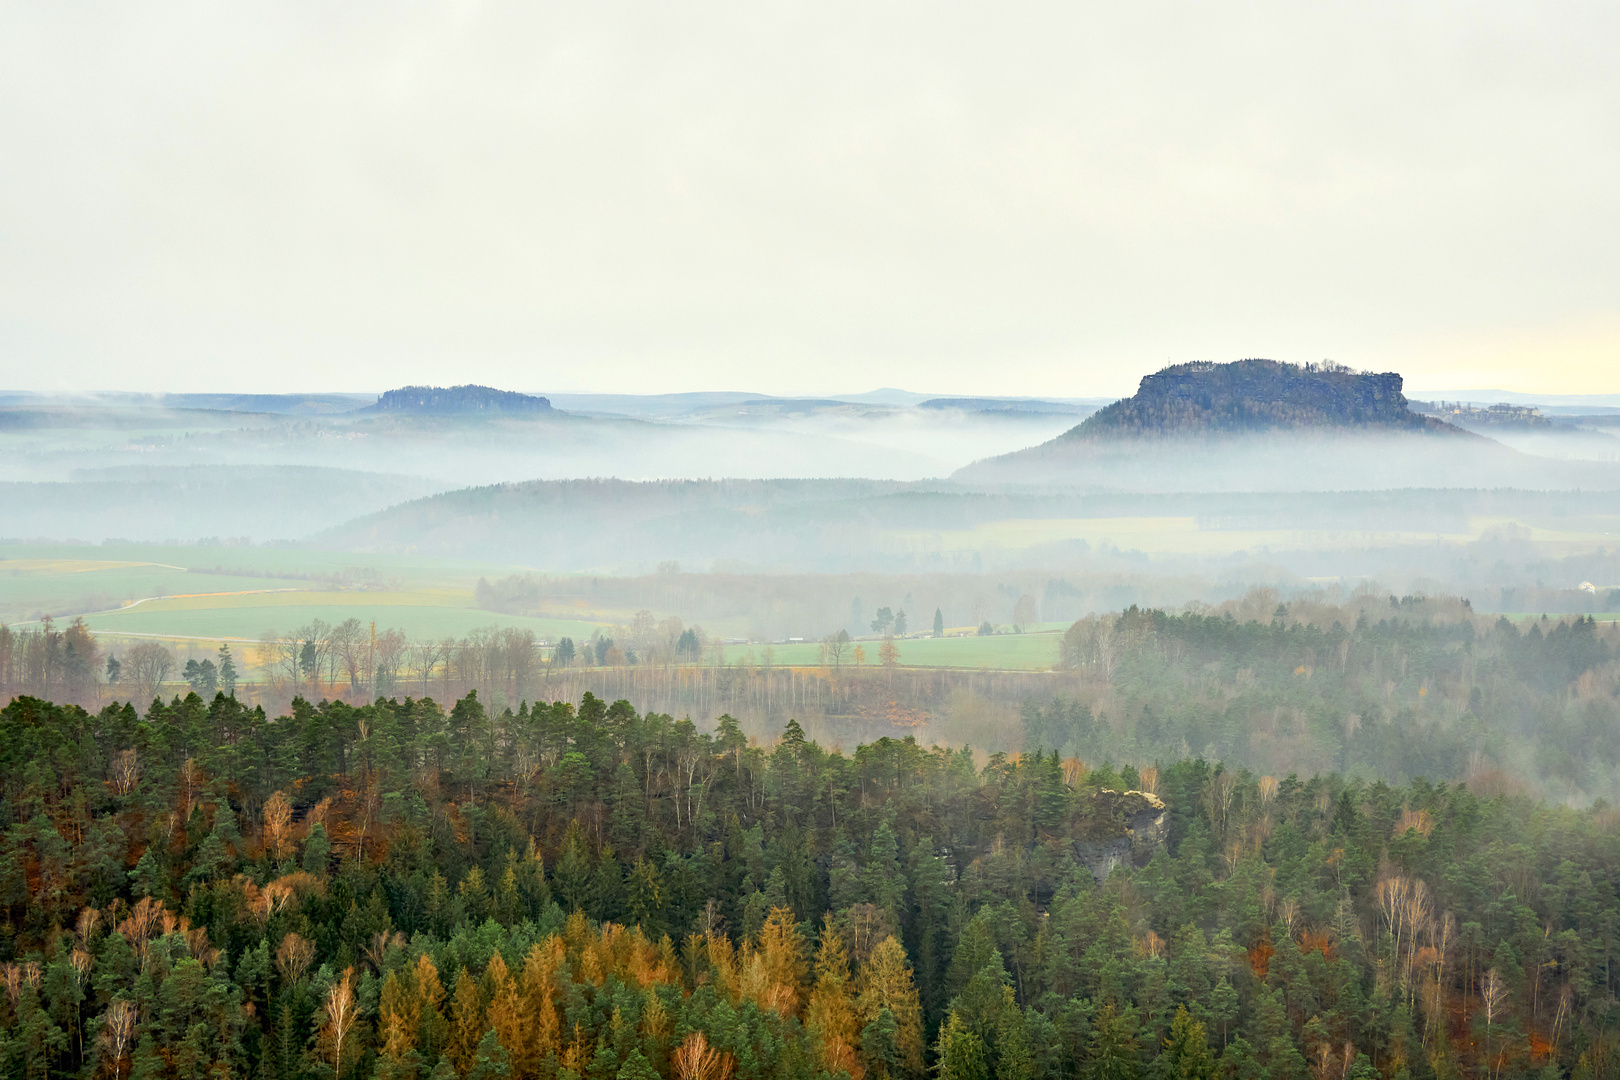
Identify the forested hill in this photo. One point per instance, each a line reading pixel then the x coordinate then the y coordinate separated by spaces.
pixel 595 894
pixel 606 522
pixel 457 401
pixel 1257 395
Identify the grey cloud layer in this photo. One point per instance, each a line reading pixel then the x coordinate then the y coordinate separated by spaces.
pixel 1045 198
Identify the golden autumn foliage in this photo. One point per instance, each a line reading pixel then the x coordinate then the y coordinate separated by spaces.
pixel 830 1016
pixel 507 1014
pixel 773 971
pixel 885 982
pixel 399 1014
pixel 466 1021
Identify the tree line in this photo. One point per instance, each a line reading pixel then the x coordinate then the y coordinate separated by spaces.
pixel 1380 687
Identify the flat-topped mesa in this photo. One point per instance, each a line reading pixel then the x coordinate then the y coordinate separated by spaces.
pixel 466 400
pixel 1255 396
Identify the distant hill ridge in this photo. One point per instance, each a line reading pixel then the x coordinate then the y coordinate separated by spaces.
pixel 457 401
pixel 1256 395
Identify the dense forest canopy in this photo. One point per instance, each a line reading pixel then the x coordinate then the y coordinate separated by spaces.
pixel 399 890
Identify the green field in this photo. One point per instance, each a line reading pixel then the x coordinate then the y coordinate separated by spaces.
pixel 239 593
pixel 31 587
pixel 195 595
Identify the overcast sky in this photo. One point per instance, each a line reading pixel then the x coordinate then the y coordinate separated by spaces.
pixel 805 198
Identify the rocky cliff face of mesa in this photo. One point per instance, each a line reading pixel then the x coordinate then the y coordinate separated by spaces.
pixel 1256 396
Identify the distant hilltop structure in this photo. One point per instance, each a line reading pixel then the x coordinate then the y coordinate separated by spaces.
pixel 1256 395
pixel 1499 415
pixel 466 400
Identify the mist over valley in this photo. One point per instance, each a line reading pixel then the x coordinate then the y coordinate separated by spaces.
pixel 767 542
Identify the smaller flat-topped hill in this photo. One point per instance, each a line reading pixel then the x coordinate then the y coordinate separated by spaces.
pixel 457 401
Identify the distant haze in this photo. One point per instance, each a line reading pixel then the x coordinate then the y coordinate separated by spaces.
pixel 1045 198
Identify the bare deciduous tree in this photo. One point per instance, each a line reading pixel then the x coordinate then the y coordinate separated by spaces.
pixel 293 957
pixel 146 665
pixel 350 646
pixel 695 1059
pixel 278 825
pixel 118 1032
pixel 341 1014
pixel 124 771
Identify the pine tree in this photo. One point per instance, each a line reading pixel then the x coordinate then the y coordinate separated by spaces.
pixel 572 877
pixel 226 670
pixel 490 1060
pixel 1113 1047
pixel 975 950
pixel 925 877
pixel 1223 1007
pixel 1186 1054
pixel 637 1067
pixel 959 1052
pixel 1014 1060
